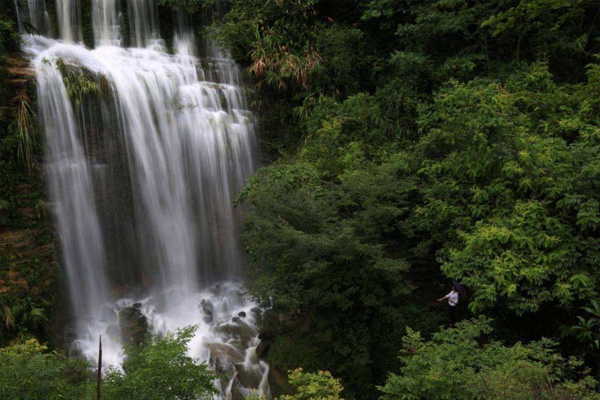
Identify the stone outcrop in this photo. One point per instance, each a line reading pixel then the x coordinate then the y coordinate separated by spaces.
pixel 134 325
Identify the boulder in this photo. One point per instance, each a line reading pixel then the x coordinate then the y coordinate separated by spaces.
pixel 269 324
pixel 224 351
pixel 249 378
pixel 238 330
pixel 133 324
pixel 278 383
pixel 256 311
pixel 208 309
pixel 262 350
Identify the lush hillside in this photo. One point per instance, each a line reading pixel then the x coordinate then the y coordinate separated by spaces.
pixel 410 144
pixel 420 143
pixel 28 268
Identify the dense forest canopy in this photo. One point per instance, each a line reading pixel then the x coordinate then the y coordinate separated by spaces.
pixel 411 143
pixel 421 142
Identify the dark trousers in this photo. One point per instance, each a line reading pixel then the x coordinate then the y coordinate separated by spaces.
pixel 453 314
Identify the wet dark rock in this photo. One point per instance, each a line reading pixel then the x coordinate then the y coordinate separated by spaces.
pixel 225 352
pixel 248 378
pixel 269 324
pixel 134 325
pixel 235 319
pixel 242 314
pixel 262 350
pixel 278 383
pixel 69 333
pixel 269 329
pixel 237 392
pixel 208 309
pixel 239 330
pixel 256 311
pixel 222 367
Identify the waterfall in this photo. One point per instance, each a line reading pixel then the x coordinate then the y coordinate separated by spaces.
pixel 35 15
pixel 143 23
pixel 68 13
pixel 107 23
pixel 145 152
pixel 71 188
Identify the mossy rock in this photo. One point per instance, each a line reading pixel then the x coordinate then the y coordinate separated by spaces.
pixel 134 325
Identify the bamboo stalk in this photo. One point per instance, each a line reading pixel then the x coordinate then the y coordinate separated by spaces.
pixel 99 378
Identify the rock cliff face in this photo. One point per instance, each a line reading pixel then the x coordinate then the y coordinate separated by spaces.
pixel 28 270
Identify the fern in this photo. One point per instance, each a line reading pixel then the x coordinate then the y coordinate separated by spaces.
pixel 81 82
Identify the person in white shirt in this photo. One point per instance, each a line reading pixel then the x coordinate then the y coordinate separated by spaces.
pixel 452 302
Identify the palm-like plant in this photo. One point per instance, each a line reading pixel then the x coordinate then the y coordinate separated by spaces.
pixel 25 130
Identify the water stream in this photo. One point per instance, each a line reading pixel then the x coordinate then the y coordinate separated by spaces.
pixel 145 151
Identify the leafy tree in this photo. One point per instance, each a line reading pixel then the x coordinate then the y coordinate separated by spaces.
pixel 28 371
pixel 501 195
pixel 272 38
pixel 156 370
pixel 588 329
pixel 460 363
pixel 460 152
pixel 190 6
pixel 160 370
pixel 313 386
pixel 315 250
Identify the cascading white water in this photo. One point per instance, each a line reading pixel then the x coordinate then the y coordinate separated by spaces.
pixel 35 15
pixel 143 23
pixel 107 24
pixel 68 13
pixel 71 186
pixel 142 177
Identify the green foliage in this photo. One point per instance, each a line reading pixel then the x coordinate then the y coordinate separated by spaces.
pixel 28 271
pixel 160 370
pixel 29 371
pixel 157 370
pixel 21 316
pixel 420 141
pixel 460 363
pixel 587 329
pixel 27 131
pixel 288 47
pixel 559 30
pixel 27 266
pixel 432 141
pixel 9 35
pixel 315 246
pixel 508 192
pixel 313 386
pixel 278 57
pixel 81 82
pixel 190 6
